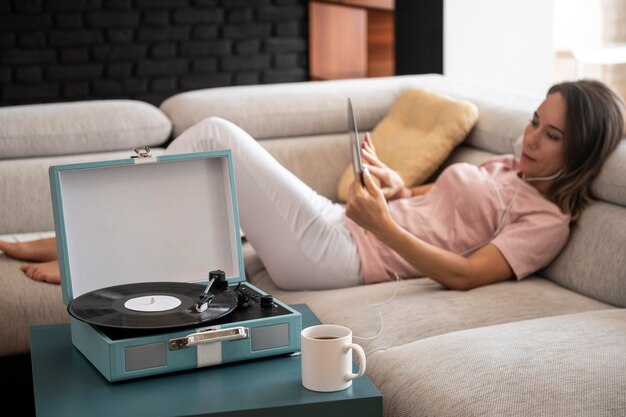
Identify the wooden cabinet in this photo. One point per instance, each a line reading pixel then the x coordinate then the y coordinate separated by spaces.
pixel 351 39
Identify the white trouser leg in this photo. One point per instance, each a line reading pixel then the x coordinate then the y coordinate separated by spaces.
pixel 299 235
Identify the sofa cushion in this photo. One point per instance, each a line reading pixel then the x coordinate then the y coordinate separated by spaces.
pixel 419 308
pixel 418 133
pixel 25 303
pixel 571 365
pixel 610 185
pixel 593 261
pixel 322 166
pixel 80 127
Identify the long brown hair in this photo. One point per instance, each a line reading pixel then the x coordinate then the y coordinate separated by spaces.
pixel 594 127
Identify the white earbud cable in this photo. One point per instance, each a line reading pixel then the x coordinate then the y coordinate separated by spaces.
pixel 380 314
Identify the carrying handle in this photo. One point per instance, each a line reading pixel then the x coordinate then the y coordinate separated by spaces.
pixel 360 359
pixel 209 336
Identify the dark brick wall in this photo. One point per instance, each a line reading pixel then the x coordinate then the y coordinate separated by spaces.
pixel 68 50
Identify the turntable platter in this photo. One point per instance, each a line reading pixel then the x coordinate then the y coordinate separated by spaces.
pixel 151 305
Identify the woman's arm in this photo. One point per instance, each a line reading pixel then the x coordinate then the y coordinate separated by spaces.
pixel 485 266
pixel 368 208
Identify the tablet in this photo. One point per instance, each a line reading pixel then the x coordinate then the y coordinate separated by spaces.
pixel 355 143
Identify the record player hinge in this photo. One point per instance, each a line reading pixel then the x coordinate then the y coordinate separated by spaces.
pixel 141 153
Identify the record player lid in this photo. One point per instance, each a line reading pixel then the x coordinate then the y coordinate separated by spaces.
pixel 170 218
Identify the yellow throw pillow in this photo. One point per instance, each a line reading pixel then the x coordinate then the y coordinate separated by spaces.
pixel 419 132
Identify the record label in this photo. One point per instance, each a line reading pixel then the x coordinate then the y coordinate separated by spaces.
pixel 151 305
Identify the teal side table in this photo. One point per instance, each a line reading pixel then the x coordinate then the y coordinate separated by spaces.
pixel 66 384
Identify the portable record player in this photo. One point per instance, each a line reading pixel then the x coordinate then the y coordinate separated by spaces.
pixel 152 268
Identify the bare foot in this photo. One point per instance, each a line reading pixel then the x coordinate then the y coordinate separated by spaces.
pixel 40 250
pixel 45 271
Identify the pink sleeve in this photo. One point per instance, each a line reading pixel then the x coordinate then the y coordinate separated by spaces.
pixel 532 242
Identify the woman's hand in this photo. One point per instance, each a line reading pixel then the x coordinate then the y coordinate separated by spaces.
pixel 366 205
pixel 392 185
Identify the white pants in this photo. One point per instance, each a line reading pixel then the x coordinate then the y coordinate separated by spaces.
pixel 300 236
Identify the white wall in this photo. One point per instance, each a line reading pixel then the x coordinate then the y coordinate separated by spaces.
pixel 500 43
pixel 577 23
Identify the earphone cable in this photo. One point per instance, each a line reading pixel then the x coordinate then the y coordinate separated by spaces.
pixel 380 314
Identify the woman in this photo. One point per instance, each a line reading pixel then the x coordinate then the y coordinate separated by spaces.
pixel 476 225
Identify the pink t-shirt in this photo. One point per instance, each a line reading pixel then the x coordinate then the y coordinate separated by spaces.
pixel 462 212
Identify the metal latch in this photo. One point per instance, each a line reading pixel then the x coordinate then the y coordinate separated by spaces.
pixel 209 336
pixel 142 152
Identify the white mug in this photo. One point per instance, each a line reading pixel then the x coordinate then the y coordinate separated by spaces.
pixel 327 358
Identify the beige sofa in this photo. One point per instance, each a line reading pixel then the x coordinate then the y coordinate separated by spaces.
pixel 553 344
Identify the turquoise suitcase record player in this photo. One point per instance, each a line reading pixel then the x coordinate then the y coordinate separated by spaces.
pixel 152 269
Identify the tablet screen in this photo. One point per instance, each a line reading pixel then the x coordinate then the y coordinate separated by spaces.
pixel 355 144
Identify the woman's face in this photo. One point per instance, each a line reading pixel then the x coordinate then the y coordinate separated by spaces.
pixel 542 149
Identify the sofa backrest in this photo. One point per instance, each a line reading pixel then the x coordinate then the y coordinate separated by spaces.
pixel 594 261
pixel 296 109
pixel 80 127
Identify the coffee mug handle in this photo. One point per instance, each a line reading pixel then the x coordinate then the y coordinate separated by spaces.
pixel 360 358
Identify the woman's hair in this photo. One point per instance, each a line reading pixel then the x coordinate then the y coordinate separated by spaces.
pixel 594 127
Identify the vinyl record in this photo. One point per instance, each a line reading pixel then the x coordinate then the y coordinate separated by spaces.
pixel 151 305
